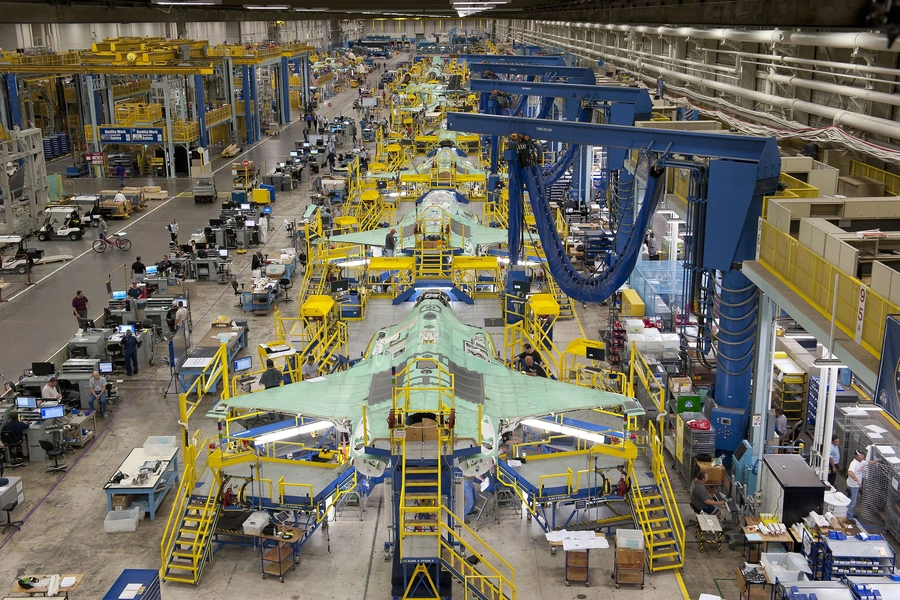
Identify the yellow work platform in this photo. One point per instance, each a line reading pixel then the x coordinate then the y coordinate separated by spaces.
pixel 479 263
pixel 317 306
pixel 392 263
pixel 544 305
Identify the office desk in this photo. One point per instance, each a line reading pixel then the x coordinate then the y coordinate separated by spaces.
pixel 144 350
pixel 757 542
pixel 201 356
pixel 259 300
pixel 45 580
pixel 155 487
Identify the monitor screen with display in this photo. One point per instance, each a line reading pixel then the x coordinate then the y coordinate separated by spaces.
pixel 119 295
pixel 595 353
pixel 86 323
pixel 201 246
pixel 250 223
pixel 187 248
pixel 54 412
pixel 124 328
pixel 243 364
pixel 294 154
pixel 184 300
pixel 216 222
pixel 223 252
pixel 152 270
pixel 521 286
pixel 26 402
pixel 245 207
pixel 42 369
pixel 306 145
pixel 105 367
pixel 339 285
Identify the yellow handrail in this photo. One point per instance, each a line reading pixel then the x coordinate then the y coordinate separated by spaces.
pixel 639 367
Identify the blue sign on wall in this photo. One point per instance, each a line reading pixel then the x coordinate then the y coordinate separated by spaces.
pixel 131 135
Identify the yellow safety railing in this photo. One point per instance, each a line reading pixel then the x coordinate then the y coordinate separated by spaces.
pixel 486 559
pixel 131 88
pixel 813 278
pixel 639 371
pixel 190 399
pixel 218 115
pixel 661 476
pixel 890 180
pixel 61 59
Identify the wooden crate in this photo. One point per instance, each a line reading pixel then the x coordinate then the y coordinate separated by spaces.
pixel 629 558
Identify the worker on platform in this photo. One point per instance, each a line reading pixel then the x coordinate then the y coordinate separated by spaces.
pixel 390 243
pixel 129 349
pixel 856 472
pixel 528 350
pixel 532 368
pixel 271 377
pixel 701 501
pixel 310 368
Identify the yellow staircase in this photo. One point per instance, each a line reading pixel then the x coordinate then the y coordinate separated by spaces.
pixel 565 303
pixel 185 545
pixel 656 512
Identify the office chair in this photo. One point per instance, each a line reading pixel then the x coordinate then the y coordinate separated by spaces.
pixel 210 236
pixel 53 452
pixel 234 286
pixel 10 524
pixel 285 284
pixel 13 441
pixel 230 238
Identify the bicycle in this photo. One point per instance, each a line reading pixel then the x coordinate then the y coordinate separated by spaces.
pixel 117 239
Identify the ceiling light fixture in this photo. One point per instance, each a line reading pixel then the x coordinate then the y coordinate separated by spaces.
pixel 597 438
pixel 265 7
pixel 186 2
pixel 290 432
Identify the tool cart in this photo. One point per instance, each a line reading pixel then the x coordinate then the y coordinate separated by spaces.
pixel 629 563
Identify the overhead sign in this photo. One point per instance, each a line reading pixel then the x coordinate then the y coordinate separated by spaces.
pixel 131 135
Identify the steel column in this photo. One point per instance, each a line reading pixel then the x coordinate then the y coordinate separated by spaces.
pixel 762 378
pixel 201 108
pixel 170 144
pixel 284 80
pixel 13 94
pixel 253 96
pixel 245 94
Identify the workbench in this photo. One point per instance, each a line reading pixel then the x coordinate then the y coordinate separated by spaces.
pixel 199 359
pixel 259 300
pixel 155 487
pixel 756 540
pixel 63 592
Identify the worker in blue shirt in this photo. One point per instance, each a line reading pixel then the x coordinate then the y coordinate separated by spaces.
pixel 18 428
pixel 129 348
pixel 134 291
pixel 834 459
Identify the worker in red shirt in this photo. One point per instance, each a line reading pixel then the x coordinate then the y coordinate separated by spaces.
pixel 80 305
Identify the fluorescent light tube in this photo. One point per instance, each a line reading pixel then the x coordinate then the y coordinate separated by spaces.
pixel 264 7
pixel 555 427
pixel 290 432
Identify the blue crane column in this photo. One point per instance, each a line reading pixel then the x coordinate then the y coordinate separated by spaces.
pixel 201 108
pixel 245 92
pixel 12 91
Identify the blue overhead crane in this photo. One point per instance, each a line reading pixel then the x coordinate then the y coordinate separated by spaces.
pixel 516 59
pixel 572 74
pixel 724 208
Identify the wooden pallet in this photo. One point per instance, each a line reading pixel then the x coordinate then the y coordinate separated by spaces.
pixel 163 195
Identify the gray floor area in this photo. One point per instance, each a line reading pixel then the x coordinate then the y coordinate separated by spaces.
pixel 64 513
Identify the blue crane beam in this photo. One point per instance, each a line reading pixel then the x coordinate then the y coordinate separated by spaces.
pixel 508 59
pixel 573 74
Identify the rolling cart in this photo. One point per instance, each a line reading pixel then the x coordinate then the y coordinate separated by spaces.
pixel 629 560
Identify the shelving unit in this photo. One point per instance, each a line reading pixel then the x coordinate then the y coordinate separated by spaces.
pixel 842 396
pixel 851 557
pixel 84 427
pixel 277 558
pixel 788 387
pixel 577 565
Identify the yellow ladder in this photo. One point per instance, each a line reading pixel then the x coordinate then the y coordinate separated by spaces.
pixel 565 303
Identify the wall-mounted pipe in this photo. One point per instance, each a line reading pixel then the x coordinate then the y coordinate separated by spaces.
pixel 833 88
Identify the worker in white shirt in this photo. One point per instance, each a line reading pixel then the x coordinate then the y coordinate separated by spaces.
pixel 120 198
pixel 856 472
pixel 51 391
pixel 310 369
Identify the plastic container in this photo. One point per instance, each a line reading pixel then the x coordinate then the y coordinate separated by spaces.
pixel 784 566
pixel 255 523
pixel 836 503
pixel 630 538
pixel 118 521
pixel 160 445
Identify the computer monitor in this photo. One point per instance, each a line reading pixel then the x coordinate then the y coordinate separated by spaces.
pixel 54 412
pixel 243 364
pixel 306 145
pixel 223 252
pixel 124 328
pixel 201 245
pixel 294 154
pixel 26 402
pixel 42 369
pixel 187 248
pixel 105 367
pixel 86 323
pixel 339 285
pixel 152 270
pixel 245 207
pixel 216 222
pixel 521 286
pixel 595 353
pixel 184 300
pixel 119 295
pixel 250 223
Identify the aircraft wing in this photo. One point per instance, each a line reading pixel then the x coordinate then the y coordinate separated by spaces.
pixel 481 235
pixel 336 396
pixel 373 237
pixel 514 395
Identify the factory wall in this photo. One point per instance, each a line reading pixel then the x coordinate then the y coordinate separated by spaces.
pixel 411 27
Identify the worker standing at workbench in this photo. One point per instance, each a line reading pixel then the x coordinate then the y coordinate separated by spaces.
pixel 129 349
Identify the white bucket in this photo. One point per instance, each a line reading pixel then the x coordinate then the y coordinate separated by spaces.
pixel 836 503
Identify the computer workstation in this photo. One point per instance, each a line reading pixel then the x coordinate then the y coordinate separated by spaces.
pixel 52 428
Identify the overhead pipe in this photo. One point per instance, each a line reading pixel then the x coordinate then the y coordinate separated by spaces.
pixel 874 125
pixel 843 90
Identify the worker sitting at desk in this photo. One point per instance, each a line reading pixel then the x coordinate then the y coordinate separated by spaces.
pixel 164 265
pixel 134 291
pixel 129 349
pixel 17 427
pixel 310 368
pixel 701 501
pixel 50 391
pixel 272 377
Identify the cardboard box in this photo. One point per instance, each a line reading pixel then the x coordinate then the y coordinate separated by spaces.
pixel 715 474
pixel 122 501
pixel 680 385
pixel 859 187
pixel 424 431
